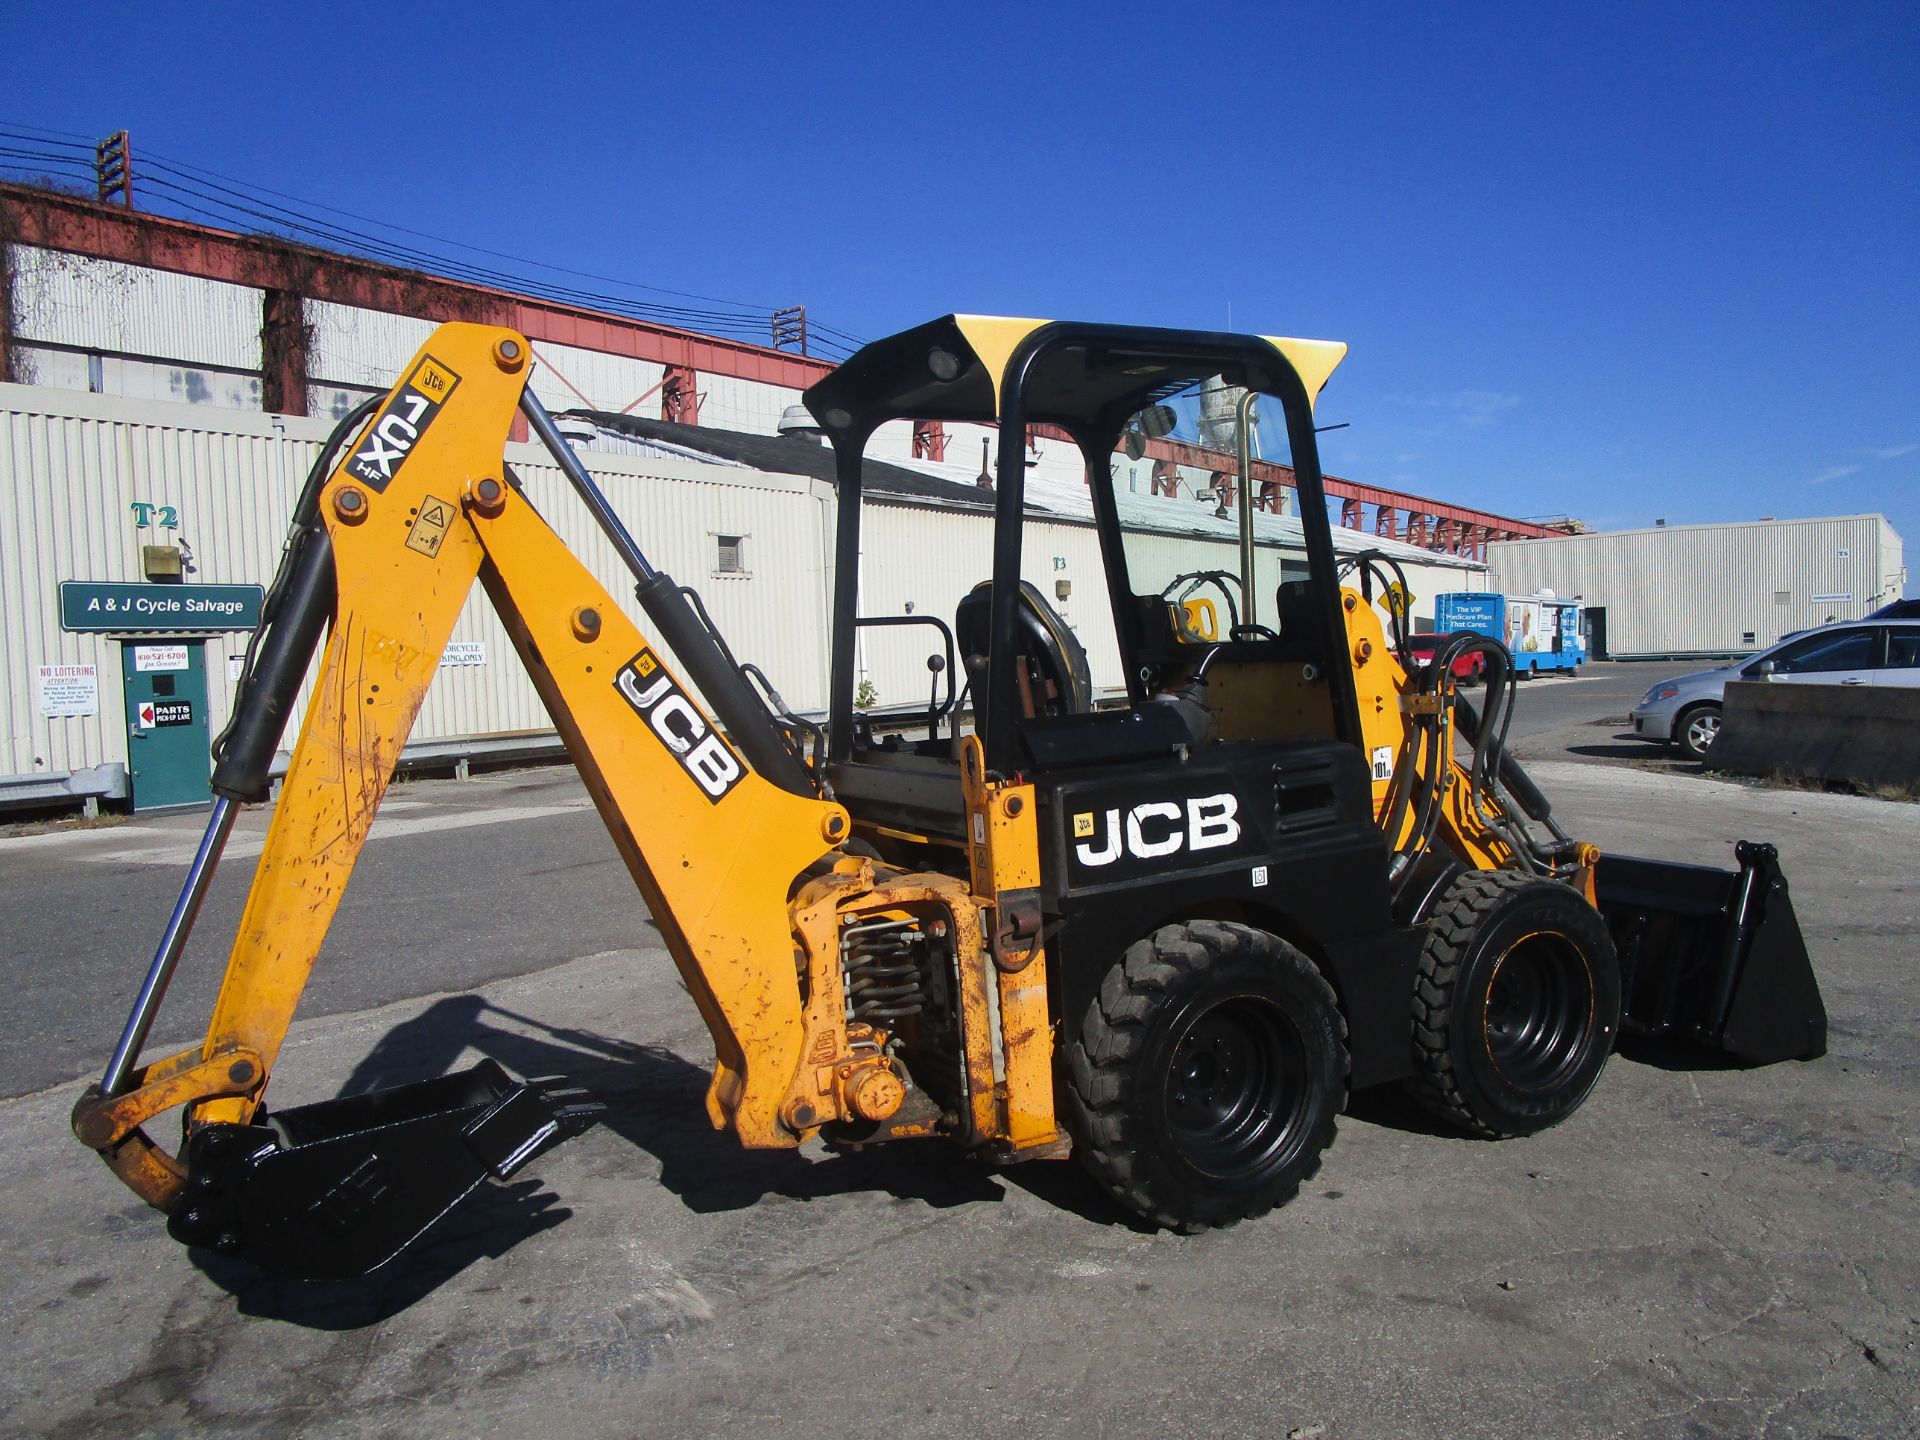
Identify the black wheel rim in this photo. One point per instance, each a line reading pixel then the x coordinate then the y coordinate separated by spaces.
pixel 1237 1091
pixel 1539 1011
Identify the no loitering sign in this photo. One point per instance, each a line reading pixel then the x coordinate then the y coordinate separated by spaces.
pixel 67 691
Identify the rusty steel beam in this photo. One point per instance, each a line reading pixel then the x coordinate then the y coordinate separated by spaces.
pixel 680 395
pixel 81 226
pixel 929 440
pixel 7 375
pixel 1349 492
pixel 284 338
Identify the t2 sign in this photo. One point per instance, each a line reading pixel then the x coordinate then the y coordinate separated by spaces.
pixel 146 513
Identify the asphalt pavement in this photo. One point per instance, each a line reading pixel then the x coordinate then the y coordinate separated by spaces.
pixel 1703 1250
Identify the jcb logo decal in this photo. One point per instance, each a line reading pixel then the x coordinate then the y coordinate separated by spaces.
pixel 1157 828
pixel 644 683
pixel 402 421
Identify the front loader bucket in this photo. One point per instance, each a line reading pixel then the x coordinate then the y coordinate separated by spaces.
pixel 1714 956
pixel 330 1191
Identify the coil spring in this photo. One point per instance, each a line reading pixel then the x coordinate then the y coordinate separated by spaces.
pixel 885 966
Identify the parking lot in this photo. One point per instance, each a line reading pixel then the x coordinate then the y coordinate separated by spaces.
pixel 1703 1250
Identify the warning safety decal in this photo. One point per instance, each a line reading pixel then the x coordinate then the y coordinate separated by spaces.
pixel 430 526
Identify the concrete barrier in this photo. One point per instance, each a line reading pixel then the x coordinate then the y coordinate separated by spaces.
pixel 1865 734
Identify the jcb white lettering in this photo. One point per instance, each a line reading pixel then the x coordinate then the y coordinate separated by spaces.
pixel 646 699
pixel 675 721
pixel 1110 852
pixel 1137 841
pixel 1159 828
pixel 707 759
pixel 1210 822
pixel 713 766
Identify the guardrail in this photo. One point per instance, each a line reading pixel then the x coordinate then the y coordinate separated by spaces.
pixel 89 787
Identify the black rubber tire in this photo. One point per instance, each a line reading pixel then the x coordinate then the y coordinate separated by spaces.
pixel 1683 728
pixel 1208 1076
pixel 1506 1051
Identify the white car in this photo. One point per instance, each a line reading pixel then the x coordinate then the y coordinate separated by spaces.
pixel 1685 711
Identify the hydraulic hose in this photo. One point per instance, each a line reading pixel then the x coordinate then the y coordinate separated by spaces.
pixel 292 618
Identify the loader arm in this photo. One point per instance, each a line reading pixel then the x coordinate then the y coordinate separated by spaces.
pixel 419 508
pixel 1713 956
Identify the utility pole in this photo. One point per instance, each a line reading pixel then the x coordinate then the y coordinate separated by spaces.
pixel 790 329
pixel 113 168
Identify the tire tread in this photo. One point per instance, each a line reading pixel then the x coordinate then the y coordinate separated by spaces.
pixel 1435 1083
pixel 1101 1057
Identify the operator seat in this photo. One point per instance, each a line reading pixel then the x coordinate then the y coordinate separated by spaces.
pixel 1293 609
pixel 1052 670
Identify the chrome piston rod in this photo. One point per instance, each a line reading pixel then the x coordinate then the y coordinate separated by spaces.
pixel 172 944
pixel 541 423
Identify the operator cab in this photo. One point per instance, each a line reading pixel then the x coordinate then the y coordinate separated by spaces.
pixel 1220 622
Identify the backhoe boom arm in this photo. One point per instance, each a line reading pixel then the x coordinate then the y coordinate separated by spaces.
pixel 420 507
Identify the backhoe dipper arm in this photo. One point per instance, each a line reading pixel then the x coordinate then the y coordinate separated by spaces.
pixel 419 507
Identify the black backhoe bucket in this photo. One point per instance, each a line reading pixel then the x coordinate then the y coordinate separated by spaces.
pixel 330 1191
pixel 1714 956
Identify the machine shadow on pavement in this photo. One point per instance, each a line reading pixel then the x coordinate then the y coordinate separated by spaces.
pixel 655 1102
pixel 1391 1108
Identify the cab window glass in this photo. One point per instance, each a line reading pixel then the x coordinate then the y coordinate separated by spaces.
pixel 1903 649
pixel 1817 654
pixel 1179 506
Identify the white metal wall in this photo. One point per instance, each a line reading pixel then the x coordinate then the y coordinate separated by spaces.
pixel 922 562
pixel 166 336
pixel 71 466
pixel 926 559
pixel 566 377
pixel 1712 589
pixel 355 346
pixel 728 402
pixel 104 305
pixel 1051 460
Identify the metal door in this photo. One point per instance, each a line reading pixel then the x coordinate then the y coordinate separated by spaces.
pixel 165 683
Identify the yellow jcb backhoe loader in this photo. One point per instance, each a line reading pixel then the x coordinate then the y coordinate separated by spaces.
pixel 1168 933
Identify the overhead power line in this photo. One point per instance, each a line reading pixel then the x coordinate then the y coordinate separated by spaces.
pixel 171 185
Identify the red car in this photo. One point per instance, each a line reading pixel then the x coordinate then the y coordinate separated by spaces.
pixel 1468 669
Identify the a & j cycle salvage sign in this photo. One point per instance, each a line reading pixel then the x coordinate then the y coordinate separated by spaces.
pixel 106 605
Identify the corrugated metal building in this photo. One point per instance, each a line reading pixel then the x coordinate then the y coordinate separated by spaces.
pixel 1676 591
pixel 87 480
pixel 74 466
pixel 102 326
pixel 112 300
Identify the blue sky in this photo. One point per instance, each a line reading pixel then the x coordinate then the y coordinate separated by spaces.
pixel 1623 262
